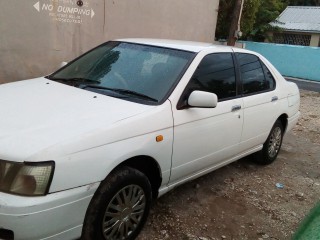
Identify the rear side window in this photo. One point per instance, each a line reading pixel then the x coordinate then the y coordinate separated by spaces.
pixel 268 76
pixel 215 74
pixel 255 76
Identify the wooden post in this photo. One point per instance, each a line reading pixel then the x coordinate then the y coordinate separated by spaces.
pixel 234 26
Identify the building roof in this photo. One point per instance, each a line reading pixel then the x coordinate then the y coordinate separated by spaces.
pixel 300 19
pixel 175 44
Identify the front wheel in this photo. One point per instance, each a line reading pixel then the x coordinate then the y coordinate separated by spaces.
pixel 120 207
pixel 272 145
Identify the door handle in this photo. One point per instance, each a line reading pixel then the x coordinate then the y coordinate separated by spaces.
pixel 275 98
pixel 235 108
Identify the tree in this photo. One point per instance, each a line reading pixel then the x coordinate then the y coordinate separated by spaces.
pixel 268 11
pixel 304 2
pixel 256 16
pixel 225 17
pixel 250 14
pixel 236 13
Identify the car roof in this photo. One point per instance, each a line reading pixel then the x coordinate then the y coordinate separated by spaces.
pixel 175 44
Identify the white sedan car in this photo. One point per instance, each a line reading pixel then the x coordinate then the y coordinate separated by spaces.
pixel 85 150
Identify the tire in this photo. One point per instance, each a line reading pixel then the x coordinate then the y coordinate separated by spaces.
pixel 120 206
pixel 272 145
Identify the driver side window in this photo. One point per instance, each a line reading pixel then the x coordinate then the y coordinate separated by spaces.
pixel 215 74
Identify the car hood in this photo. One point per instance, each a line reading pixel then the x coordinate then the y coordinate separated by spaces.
pixel 39 113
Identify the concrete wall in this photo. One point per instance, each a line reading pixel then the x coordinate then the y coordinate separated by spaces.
pixel 225 43
pixel 315 40
pixel 292 61
pixel 37 35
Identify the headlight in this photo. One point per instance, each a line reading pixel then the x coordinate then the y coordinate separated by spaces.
pixel 28 179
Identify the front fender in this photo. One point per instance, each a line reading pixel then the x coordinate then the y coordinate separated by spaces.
pixel 132 137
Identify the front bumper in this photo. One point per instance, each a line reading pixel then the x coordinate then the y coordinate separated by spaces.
pixel 55 216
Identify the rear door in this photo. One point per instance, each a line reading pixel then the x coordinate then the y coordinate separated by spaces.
pixel 259 98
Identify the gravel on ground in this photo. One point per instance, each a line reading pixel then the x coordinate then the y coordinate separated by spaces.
pixel 242 200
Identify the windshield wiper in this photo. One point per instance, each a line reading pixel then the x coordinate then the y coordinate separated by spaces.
pixel 123 91
pixel 73 80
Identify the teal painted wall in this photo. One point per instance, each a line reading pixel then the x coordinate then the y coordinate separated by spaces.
pixel 291 61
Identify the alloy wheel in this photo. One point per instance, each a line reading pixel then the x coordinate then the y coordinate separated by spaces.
pixel 274 142
pixel 124 213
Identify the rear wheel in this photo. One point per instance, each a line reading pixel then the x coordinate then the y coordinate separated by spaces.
pixel 120 207
pixel 272 145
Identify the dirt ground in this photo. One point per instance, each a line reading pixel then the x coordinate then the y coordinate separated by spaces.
pixel 241 200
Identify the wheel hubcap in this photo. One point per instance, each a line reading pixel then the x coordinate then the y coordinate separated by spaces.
pixel 274 142
pixel 124 213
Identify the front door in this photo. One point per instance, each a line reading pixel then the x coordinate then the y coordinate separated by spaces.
pixel 206 137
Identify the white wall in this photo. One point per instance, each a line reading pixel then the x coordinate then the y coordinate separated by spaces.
pixel 36 35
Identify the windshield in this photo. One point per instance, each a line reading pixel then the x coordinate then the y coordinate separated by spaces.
pixel 137 71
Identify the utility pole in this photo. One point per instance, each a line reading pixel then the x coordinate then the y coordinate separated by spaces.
pixel 234 32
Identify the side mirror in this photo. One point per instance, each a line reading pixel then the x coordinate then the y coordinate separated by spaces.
pixel 202 99
pixel 62 64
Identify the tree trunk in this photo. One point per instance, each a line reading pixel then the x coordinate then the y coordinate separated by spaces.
pixel 234 23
